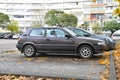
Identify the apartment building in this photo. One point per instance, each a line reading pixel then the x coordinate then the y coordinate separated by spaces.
pixel 102 10
pixel 28 12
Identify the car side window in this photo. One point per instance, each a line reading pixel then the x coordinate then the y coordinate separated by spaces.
pixel 37 32
pixel 51 33
pixel 60 33
pixel 55 33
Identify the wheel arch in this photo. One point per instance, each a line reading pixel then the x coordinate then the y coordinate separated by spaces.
pixel 28 44
pixel 85 44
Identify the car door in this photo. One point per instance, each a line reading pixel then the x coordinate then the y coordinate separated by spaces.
pixel 37 38
pixel 57 41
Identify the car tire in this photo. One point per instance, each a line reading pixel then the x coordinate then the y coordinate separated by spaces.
pixel 29 51
pixel 85 51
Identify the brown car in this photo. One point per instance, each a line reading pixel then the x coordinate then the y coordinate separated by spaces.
pixel 58 40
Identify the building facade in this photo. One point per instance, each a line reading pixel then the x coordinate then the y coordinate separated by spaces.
pixel 29 12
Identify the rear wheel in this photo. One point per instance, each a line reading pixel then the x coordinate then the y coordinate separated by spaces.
pixel 29 51
pixel 85 51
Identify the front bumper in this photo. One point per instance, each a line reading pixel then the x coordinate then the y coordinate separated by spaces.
pixel 99 48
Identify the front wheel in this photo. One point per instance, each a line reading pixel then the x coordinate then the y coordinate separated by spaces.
pixel 85 51
pixel 29 51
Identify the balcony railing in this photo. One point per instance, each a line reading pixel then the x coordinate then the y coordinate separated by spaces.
pixel 97 11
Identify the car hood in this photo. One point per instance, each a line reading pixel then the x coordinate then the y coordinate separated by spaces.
pixel 98 37
pixel 90 38
pixel 106 38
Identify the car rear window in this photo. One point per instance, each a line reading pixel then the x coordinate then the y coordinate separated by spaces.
pixel 116 34
pixel 37 32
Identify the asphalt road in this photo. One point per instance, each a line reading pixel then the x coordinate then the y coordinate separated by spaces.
pixel 64 66
pixel 7 44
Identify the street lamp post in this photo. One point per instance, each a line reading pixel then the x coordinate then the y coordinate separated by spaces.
pixel 101 21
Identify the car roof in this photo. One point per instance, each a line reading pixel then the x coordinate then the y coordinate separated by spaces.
pixel 47 27
pixel 118 31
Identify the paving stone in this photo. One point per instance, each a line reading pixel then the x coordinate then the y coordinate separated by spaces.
pixel 68 67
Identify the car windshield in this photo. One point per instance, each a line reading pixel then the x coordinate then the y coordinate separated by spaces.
pixel 116 34
pixel 90 33
pixel 81 32
pixel 71 32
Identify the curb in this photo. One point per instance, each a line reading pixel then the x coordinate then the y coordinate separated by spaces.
pixel 112 67
pixel 3 51
pixel 45 77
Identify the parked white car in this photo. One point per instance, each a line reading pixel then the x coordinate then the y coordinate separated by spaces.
pixel 116 35
pixel 16 36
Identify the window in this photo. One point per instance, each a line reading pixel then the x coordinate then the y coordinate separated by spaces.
pixel 55 33
pixel 74 3
pixel 60 33
pixel 37 32
pixel 97 16
pixel 18 16
pixel 9 10
pixel 110 1
pixel 99 1
pixel 50 33
pixel 109 7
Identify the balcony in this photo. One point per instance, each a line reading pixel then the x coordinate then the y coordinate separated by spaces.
pixel 98 5
pixel 86 19
pixel 93 19
pixel 109 11
pixel 97 11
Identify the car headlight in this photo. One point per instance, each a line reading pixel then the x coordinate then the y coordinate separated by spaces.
pixel 101 43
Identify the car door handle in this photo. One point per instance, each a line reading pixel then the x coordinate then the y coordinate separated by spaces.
pixel 47 39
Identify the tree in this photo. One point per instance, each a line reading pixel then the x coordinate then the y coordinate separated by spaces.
pixel 36 24
pixel 13 26
pixel 96 28
pixel 61 19
pixel 111 25
pixel 93 0
pixel 4 20
pixel 51 17
pixel 67 20
pixel 117 9
pixel 85 25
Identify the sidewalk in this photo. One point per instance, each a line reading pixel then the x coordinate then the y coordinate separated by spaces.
pixel 50 66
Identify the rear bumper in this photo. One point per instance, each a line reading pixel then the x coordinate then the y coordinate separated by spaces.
pixel 19 47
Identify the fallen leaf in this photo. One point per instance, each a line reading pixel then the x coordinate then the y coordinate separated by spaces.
pixel 19 62
pixel 93 66
pixel 102 62
pixel 29 59
pixel 103 78
pixel 42 79
pixel 93 73
pixel 87 76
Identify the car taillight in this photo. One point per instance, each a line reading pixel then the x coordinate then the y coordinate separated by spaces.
pixel 18 39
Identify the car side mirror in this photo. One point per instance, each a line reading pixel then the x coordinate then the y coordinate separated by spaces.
pixel 68 36
pixel 86 35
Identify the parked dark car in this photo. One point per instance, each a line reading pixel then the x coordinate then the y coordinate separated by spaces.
pixel 58 40
pixel 8 36
pixel 1 35
pixel 110 44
